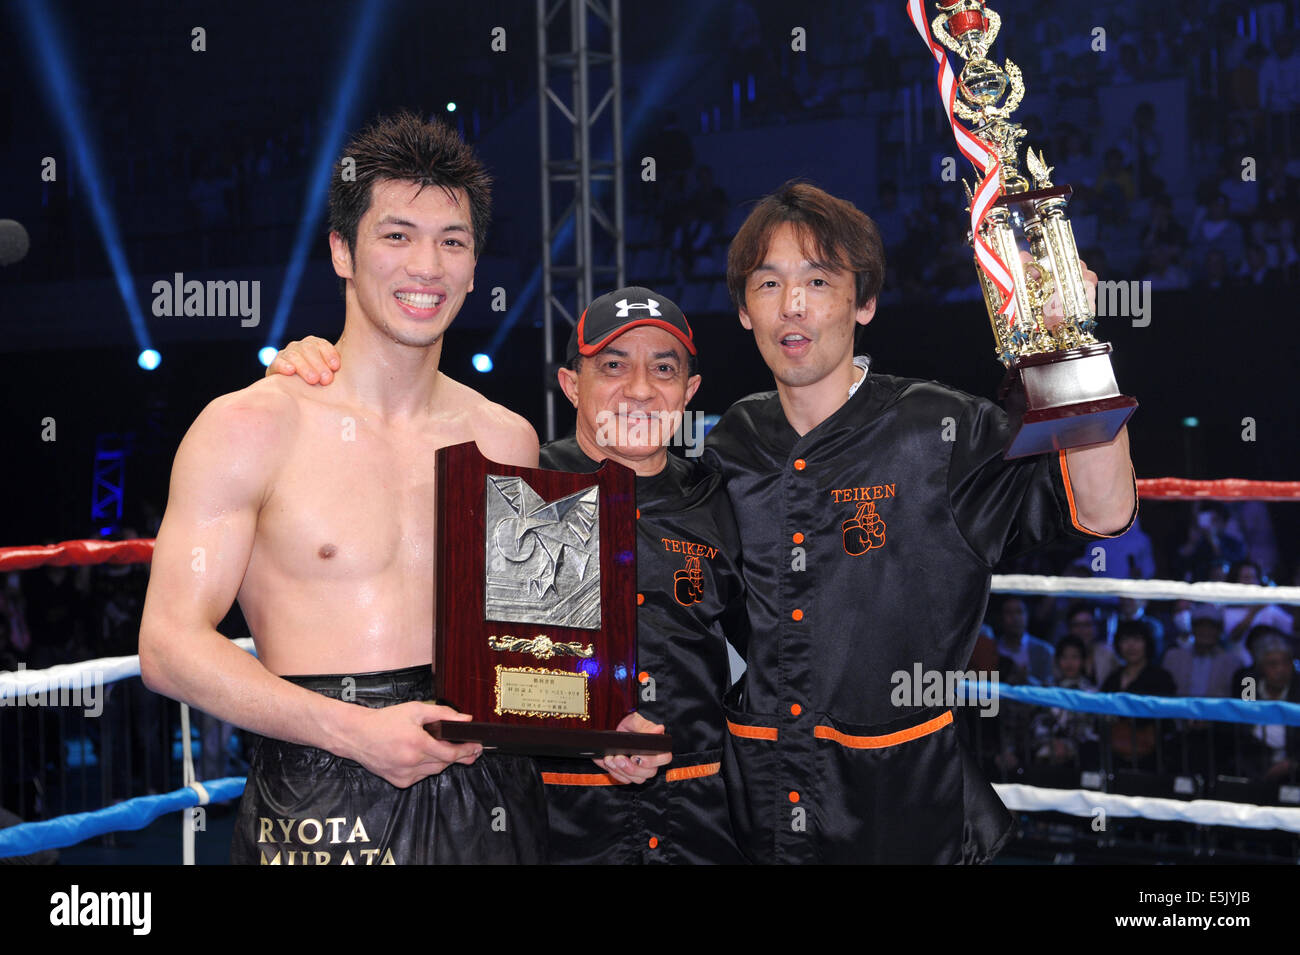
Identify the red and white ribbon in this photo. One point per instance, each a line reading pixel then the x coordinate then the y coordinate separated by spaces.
pixel 984 157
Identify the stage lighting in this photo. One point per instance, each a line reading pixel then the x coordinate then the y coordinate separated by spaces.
pixel 1191 422
pixel 482 363
pixel 451 107
pixel 267 355
pixel 149 359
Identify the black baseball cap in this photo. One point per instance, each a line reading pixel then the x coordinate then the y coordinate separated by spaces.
pixel 615 312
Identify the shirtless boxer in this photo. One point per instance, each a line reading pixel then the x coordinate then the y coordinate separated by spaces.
pixel 630 367
pixel 315 508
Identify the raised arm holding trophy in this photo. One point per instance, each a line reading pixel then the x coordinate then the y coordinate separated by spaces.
pixel 1060 387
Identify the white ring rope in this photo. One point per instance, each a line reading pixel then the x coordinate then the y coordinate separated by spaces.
pixel 67 677
pixel 1202 812
pixel 1206 591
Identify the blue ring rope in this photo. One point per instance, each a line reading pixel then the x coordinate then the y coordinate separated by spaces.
pixel 27 838
pixel 1229 710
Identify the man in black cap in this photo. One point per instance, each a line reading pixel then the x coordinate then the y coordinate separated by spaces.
pixel 631 369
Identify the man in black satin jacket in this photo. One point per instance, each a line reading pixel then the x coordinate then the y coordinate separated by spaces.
pixel 631 370
pixel 871 510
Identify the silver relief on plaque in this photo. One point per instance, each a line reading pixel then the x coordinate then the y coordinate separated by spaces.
pixel 543 557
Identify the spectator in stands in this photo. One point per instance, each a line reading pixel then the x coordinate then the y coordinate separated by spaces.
pixel 1059 735
pixel 1134 740
pixel 9 657
pixel 1279 90
pixel 1250 650
pixel 1076 164
pixel 1116 188
pixel 1129 70
pixel 889 217
pixel 700 221
pixel 1141 149
pixel 1255 272
pixel 1163 271
pixel 1279 192
pixel 1025 651
pixel 1139 674
pixel 1239 620
pixel 17 641
pixel 1135 608
pixel 1161 228
pixel 1276 235
pixel 1204 668
pixel 1236 185
pixel 882 67
pixel 1208 544
pixel 1214 272
pixel 1213 231
pixel 58 612
pixel 1152 61
pixel 1272 752
pixel 1099 659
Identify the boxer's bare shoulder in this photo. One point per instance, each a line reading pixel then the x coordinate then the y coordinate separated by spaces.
pixel 248 431
pixel 501 434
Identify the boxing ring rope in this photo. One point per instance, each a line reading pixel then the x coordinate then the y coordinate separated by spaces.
pixel 1222 489
pixel 27 838
pixel 1201 812
pixel 71 829
pixel 1205 591
pixel 74 676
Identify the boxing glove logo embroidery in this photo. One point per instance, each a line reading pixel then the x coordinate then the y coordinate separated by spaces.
pixel 688 583
pixel 864 531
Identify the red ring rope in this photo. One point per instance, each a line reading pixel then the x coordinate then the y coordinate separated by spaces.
pixel 78 553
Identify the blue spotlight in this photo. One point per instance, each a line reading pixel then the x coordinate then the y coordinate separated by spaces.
pixel 451 107
pixel 64 96
pixel 482 363
pixel 149 359
pixel 331 142
pixel 267 355
pixel 1191 422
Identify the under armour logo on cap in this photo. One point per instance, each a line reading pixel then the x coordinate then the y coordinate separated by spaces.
pixel 651 306
pixel 616 312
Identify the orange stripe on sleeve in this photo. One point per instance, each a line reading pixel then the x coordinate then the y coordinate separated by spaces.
pixel 1074 514
pixel 880 742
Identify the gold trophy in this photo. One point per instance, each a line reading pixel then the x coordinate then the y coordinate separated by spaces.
pixel 1060 387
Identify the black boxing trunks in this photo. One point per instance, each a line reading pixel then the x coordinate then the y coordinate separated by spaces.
pixel 305 806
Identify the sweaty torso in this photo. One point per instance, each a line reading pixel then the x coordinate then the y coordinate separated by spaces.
pixel 340 579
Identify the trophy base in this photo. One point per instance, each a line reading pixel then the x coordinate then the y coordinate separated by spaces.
pixel 1063 400
pixel 548 741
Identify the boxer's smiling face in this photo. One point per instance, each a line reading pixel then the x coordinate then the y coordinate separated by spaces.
pixel 630 397
pixel 414 260
pixel 802 311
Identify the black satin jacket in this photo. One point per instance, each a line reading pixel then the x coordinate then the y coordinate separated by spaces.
pixel 688 574
pixel 869 547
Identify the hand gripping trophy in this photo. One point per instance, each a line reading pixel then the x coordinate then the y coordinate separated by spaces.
pixel 1060 388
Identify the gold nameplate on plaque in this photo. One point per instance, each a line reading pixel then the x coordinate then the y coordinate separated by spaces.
pixel 529 691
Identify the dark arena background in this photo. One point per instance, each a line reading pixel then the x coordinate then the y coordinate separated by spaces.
pixel 142 139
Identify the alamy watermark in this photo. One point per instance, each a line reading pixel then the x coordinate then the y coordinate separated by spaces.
pixel 85 690
pixel 178 298
pixel 949 688
pixel 676 429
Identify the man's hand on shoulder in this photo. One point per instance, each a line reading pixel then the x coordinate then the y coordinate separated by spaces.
pixel 313 359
